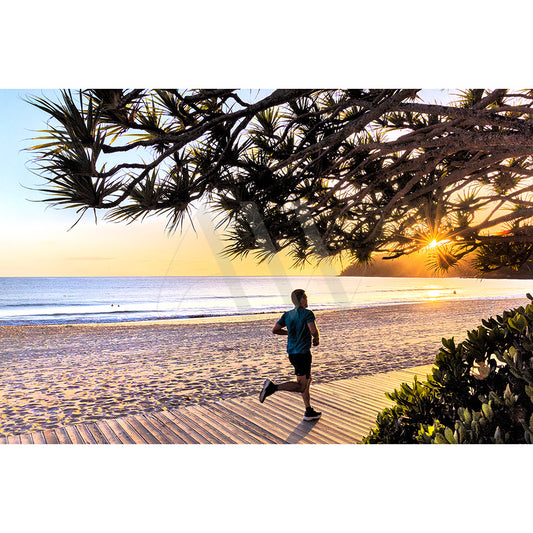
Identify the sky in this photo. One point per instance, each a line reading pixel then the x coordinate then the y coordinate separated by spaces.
pixel 39 240
pixel 380 53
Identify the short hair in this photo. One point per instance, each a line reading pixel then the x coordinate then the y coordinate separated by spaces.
pixel 296 296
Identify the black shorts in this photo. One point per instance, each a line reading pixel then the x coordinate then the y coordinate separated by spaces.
pixel 301 363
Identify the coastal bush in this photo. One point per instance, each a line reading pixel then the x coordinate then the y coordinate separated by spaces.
pixel 480 391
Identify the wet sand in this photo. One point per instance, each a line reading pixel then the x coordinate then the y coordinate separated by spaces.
pixel 57 375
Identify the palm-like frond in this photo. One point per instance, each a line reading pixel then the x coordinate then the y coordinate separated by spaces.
pixel 372 166
pixel 490 257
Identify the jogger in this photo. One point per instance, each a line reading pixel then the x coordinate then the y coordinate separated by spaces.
pixel 301 332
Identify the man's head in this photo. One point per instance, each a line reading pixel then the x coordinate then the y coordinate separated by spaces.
pixel 299 298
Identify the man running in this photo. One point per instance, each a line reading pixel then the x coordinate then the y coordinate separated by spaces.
pixel 300 324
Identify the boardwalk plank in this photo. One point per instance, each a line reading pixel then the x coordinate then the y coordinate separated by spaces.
pixel 385 380
pixel 108 432
pixel 142 430
pixel 172 423
pixel 361 388
pixel 13 439
pixel 178 436
pixel 38 437
pixel 290 406
pixel 370 390
pixel 98 436
pixel 278 421
pixel 355 426
pixel 373 384
pixel 230 426
pixel 50 436
pixel 138 423
pixel 62 436
pixel 272 415
pixel 377 392
pixel 130 430
pixel 74 435
pixel 348 405
pixel 348 417
pixel 247 426
pixel 180 420
pixel 26 439
pixel 169 436
pixel 293 404
pixel 209 435
pixel 85 434
pixel 276 434
pixel 202 420
pixel 315 432
pixel 155 428
pixel 119 432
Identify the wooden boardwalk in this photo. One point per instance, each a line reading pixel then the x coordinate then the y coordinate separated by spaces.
pixel 349 408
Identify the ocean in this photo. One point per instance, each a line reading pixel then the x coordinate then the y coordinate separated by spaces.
pixel 62 300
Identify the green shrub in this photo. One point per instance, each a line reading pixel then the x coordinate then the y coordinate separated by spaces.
pixel 480 391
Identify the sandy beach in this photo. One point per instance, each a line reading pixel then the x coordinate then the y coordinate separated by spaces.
pixel 58 375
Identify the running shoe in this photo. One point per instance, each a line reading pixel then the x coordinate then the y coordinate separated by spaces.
pixel 311 414
pixel 268 389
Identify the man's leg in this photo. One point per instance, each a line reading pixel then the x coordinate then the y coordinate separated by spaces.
pixel 300 385
pixel 306 394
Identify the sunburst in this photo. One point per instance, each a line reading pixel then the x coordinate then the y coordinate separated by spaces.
pixel 435 243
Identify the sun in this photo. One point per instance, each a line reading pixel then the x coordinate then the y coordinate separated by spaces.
pixel 435 243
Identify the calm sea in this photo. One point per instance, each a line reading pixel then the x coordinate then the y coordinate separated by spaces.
pixel 116 299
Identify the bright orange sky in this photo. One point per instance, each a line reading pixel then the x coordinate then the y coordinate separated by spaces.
pixel 139 249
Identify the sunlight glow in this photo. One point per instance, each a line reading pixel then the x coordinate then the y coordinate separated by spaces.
pixel 435 243
pixel 435 294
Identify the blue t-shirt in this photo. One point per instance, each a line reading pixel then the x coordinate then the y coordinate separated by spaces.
pixel 299 338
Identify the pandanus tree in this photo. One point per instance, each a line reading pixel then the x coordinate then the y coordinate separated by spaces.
pixel 320 173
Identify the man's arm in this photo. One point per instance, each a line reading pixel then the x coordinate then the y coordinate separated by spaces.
pixel 278 330
pixel 314 332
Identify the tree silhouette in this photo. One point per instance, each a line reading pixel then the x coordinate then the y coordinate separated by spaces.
pixel 321 173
